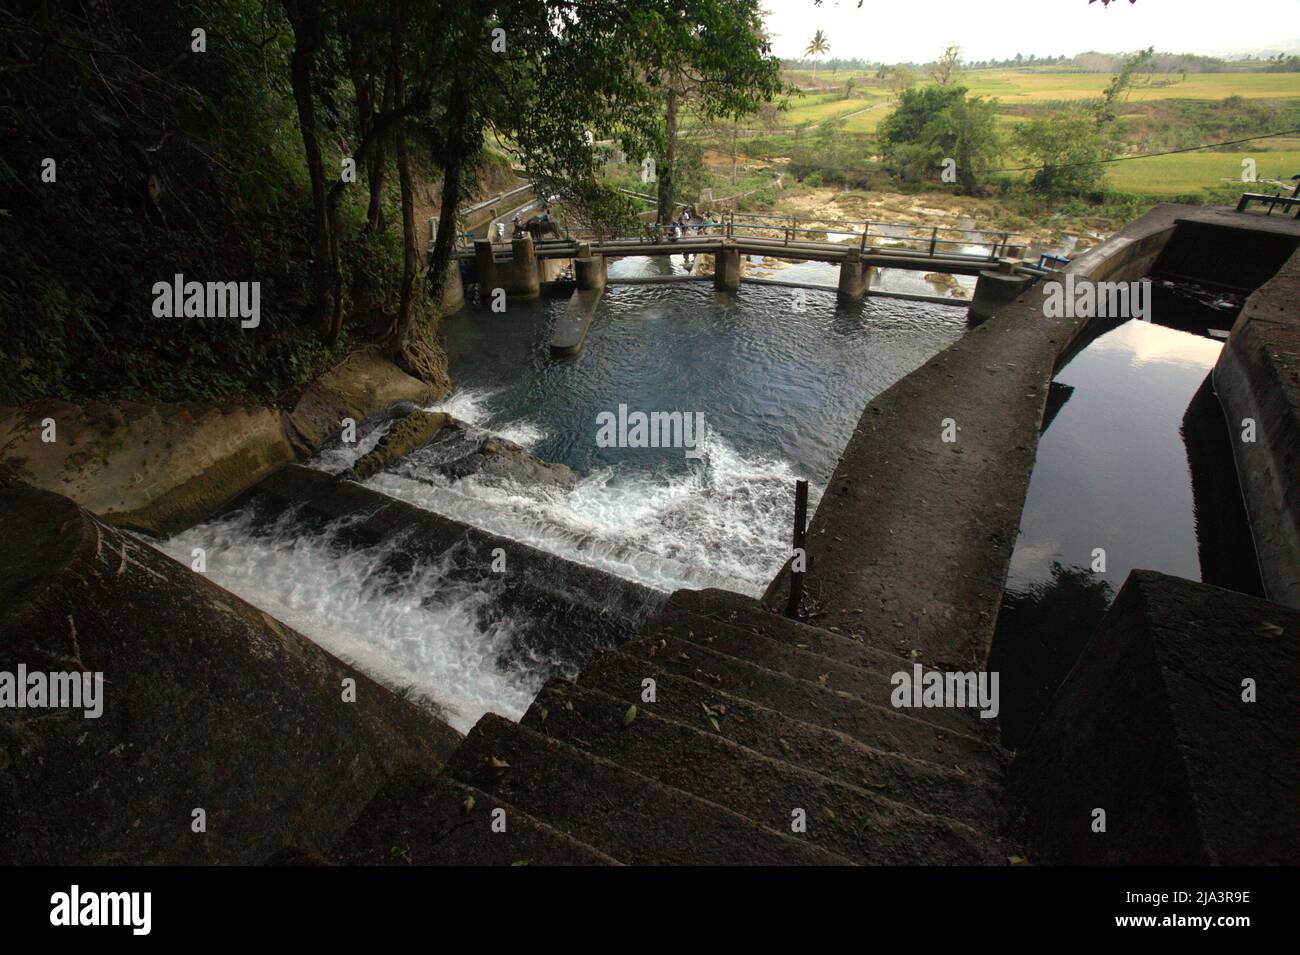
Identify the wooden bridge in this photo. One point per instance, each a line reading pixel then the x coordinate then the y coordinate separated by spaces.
pixel 521 266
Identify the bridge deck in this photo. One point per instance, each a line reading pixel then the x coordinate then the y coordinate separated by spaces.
pixel 958 263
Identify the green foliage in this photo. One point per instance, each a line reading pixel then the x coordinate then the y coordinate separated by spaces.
pixel 936 123
pixel 167 161
pixel 1065 148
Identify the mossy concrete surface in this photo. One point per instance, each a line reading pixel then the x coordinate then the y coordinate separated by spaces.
pixel 153 468
pixel 361 385
pixel 411 432
pixel 159 468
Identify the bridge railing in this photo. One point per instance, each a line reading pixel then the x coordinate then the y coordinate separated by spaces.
pixel 921 237
pixel 924 238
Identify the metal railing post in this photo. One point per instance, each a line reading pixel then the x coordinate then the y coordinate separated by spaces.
pixel 934 239
pixel 800 553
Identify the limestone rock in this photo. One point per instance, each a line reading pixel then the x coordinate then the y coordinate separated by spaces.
pixel 412 431
pixel 363 384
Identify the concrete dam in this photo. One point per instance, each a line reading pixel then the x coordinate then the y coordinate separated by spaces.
pixel 471 634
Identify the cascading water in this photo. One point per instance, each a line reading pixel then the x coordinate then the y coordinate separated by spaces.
pixel 781 380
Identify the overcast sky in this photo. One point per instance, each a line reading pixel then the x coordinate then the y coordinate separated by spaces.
pixel 916 30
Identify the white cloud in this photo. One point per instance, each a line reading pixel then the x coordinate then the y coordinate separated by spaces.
pixel 916 30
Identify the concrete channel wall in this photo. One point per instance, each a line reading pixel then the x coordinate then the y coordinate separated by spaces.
pixel 1257 379
pixel 928 580
pixel 1174 739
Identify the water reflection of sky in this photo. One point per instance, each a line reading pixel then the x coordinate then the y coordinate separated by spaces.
pixel 1111 470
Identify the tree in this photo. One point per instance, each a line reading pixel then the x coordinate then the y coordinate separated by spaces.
pixel 934 124
pixel 722 72
pixel 948 65
pixel 1119 85
pixel 1066 149
pixel 819 45
pixel 307 19
pixel 900 80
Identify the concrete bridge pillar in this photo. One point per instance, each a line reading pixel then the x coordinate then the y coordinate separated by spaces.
pixel 855 277
pixel 485 264
pixel 727 267
pixel 993 290
pixel 590 271
pixel 524 280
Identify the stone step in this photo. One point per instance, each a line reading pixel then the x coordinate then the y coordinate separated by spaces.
pixel 753 614
pixel 972 798
pixel 631 817
pixel 881 727
pixel 873 685
pixel 426 819
pixel 842 818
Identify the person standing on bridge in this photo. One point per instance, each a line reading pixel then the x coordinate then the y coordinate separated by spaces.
pixel 684 221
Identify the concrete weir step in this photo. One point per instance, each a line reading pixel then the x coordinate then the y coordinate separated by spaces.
pixel 972 798
pixel 420 818
pixel 631 817
pixel 785 656
pixel 840 817
pixel 741 611
pixel 881 727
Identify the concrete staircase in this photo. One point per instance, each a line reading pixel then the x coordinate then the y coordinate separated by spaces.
pixel 755 718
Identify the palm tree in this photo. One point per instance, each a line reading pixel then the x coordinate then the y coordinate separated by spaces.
pixel 817 46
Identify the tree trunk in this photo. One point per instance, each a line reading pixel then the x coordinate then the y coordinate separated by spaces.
pixel 735 131
pixel 305 19
pixel 410 242
pixel 458 151
pixel 665 174
pixel 364 83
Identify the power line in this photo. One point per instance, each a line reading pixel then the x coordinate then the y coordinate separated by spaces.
pixel 1167 152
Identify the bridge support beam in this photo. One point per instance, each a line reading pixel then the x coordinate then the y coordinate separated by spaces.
pixel 994 290
pixel 855 277
pixel 524 279
pixel 485 265
pixel 727 267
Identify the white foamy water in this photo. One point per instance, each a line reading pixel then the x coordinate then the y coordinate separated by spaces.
pixel 719 524
pixel 422 633
pixel 336 459
pixel 470 407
